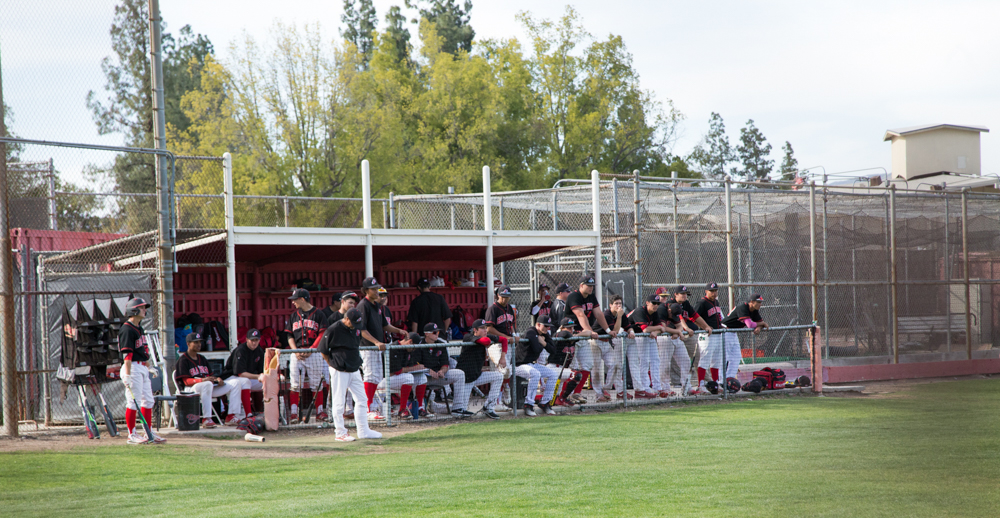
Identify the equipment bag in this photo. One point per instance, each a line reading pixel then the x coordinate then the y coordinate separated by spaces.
pixel 774 378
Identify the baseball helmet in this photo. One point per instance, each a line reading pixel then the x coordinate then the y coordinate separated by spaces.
pixel 712 386
pixel 732 385
pixel 133 305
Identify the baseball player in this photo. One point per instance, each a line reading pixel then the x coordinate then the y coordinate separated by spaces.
pixel 561 355
pixel 134 372
pixel 329 313
pixel 543 306
pixel 471 361
pixel 746 315
pixel 305 326
pixel 670 347
pixel 558 310
pixel 373 332
pixel 584 306
pixel 193 374
pixel 642 355
pixel 710 345
pixel 339 347
pixel 428 307
pixel 438 363
pixel 690 320
pixel 608 353
pixel 500 320
pixel 402 364
pixel 246 366
pixel 526 356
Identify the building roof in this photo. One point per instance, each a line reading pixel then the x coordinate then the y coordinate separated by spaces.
pixel 928 127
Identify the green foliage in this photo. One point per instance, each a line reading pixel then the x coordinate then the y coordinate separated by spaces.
pixel 901 455
pixel 359 27
pixel 713 155
pixel 397 33
pixel 183 59
pixel 450 21
pixel 753 152
pixel 789 164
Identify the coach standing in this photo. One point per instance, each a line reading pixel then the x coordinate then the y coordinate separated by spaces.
pixel 583 303
pixel 373 332
pixel 340 348
pixel 428 307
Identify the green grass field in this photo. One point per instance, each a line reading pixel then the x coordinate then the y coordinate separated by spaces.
pixel 930 450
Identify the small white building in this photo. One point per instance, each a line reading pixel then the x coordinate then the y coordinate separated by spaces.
pixel 937 153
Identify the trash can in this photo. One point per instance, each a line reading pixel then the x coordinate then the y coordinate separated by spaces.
pixel 188 410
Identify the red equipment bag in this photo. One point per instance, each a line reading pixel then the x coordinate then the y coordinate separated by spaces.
pixel 775 378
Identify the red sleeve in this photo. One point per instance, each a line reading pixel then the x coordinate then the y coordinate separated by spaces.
pixel 503 343
pixel 128 357
pixel 643 326
pixel 484 341
pixel 188 382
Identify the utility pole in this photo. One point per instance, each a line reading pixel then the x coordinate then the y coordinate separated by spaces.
pixel 8 358
pixel 165 276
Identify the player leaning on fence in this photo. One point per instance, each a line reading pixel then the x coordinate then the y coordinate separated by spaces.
pixel 340 348
pixel 589 318
pixel 526 356
pixel 710 345
pixel 134 373
pixel 471 362
pixel 642 355
pixel 747 315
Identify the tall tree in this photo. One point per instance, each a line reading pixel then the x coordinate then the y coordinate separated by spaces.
pixel 183 59
pixel 754 152
pixel 359 27
pixel 450 20
pixel 714 153
pixel 397 33
pixel 789 168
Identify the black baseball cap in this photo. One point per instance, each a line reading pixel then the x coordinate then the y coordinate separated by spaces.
pixel 681 289
pixel 253 334
pixel 712 287
pixel 349 295
pixel 414 337
pixel 336 297
pixel 504 291
pixel 479 323
pixel 431 327
pixel 299 293
pixel 194 337
pixel 676 309
pixel 567 322
pixel 563 288
pixel 543 286
pixel 588 280
pixel 545 321
pixel 423 282
pixel 356 318
pixel 370 283
pixel 654 298
pixel 756 298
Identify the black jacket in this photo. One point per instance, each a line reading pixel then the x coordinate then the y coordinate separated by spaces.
pixel 472 357
pixel 339 345
pixel 527 352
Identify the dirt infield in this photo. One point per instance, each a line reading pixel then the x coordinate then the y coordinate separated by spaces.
pixel 319 441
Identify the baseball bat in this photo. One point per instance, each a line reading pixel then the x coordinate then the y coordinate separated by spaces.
pixel 109 419
pixel 138 410
pixel 88 419
pixel 555 394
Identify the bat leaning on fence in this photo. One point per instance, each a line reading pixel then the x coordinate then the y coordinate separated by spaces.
pixel 109 418
pixel 93 432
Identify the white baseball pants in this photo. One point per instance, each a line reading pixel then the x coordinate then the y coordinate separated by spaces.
pixel 671 348
pixel 583 360
pixel 464 391
pixel 534 373
pixel 371 363
pixel 309 372
pixel 711 352
pixel 140 386
pixel 638 355
pixel 209 390
pixel 342 383
pixel 611 357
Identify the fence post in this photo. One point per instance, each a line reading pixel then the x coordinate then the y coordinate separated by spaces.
pixel 284 208
pixel 385 217
pixel 729 247
pixel 965 260
pixel 392 209
pixel 366 210
pixel 232 301
pixel 750 289
pixel 677 259
pixel 826 273
pixel 387 407
pixel 451 190
pixel 614 221
pixel 638 247
pixel 947 264
pixel 812 251
pixel 503 265
pixel 816 363
pixel 44 316
pixel 53 225
pixel 595 206
pixel 555 210
pixel 892 274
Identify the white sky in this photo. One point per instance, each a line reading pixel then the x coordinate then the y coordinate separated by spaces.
pixel 829 77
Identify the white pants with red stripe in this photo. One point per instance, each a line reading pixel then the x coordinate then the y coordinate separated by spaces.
pixel 534 373
pixel 142 390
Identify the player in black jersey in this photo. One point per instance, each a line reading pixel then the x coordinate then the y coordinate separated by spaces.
pixel 136 371
pixel 710 345
pixel 308 371
pixel 589 318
